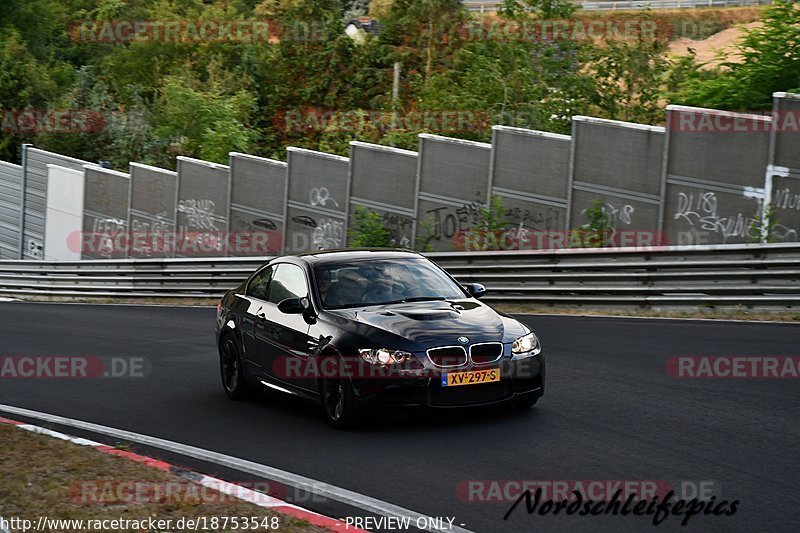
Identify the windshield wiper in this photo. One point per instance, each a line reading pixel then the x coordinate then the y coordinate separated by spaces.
pixel 425 299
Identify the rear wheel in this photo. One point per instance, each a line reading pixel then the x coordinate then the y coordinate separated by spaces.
pixel 338 401
pixel 232 372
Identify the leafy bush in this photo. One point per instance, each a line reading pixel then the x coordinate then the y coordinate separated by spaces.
pixel 544 9
pixel 368 230
pixel 762 230
pixel 596 232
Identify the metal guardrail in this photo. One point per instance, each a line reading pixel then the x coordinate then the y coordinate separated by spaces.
pixel 491 6
pixel 751 275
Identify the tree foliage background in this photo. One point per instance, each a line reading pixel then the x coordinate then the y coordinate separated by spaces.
pixel 205 99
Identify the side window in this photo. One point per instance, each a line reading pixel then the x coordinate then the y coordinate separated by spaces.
pixel 289 281
pixel 257 288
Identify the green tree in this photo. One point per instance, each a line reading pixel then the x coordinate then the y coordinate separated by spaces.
pixel 133 136
pixel 542 9
pixel 769 61
pixel 424 33
pixel 206 124
pixel 629 76
pixel 93 105
pixel 536 85
pixel 24 84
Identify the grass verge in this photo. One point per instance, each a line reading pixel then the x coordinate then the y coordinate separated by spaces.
pixel 44 476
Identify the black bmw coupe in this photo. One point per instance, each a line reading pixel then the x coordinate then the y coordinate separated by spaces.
pixel 361 331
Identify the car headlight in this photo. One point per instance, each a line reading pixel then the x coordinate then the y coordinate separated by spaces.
pixel 526 346
pixel 383 356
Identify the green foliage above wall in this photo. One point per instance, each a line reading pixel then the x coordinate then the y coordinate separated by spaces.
pixel 203 99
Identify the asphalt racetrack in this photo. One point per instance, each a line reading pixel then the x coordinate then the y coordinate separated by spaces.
pixel 611 412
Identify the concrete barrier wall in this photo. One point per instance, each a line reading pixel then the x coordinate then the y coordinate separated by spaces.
pixel 64 227
pixel 384 179
pixel 785 151
pixel 202 209
pixel 453 177
pixel 530 173
pixel 10 210
pixel 316 213
pixel 783 186
pixel 154 193
pixel 106 208
pixel 783 173
pixel 714 175
pixel 617 166
pixel 34 164
pixel 703 179
pixel 258 205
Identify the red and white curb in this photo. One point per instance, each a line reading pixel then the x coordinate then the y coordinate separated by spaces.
pixel 229 489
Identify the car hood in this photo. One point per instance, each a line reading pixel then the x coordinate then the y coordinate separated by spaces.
pixel 425 324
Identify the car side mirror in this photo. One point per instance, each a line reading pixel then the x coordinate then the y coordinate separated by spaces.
pixel 294 306
pixel 476 290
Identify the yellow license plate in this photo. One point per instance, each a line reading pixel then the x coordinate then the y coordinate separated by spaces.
pixel 473 377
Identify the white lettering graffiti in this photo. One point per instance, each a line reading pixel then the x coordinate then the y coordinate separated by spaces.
pixel 321 196
pixel 199 213
pixel 328 234
pixel 701 212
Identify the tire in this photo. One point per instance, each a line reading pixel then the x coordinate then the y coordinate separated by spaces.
pixel 234 381
pixel 338 402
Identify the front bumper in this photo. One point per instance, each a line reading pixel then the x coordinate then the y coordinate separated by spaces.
pixel 517 378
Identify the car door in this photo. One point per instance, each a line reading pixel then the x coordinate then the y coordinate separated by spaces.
pixel 282 339
pixel 256 297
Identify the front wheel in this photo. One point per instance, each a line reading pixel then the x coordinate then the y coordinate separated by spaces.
pixel 232 373
pixel 338 401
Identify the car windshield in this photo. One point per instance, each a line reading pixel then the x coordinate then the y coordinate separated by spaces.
pixel 382 282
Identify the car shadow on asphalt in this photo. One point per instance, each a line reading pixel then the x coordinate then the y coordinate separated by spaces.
pixel 417 420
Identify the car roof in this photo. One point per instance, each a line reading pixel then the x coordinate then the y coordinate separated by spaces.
pixel 343 256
